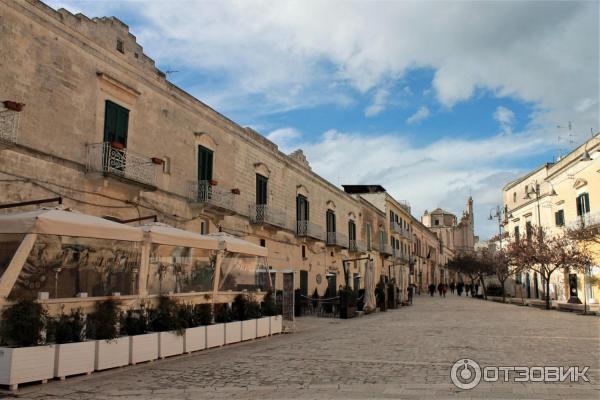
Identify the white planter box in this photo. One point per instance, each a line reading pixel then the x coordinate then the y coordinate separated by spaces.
pixel 249 329
pixel 26 364
pixel 215 335
pixel 112 353
pixel 233 332
pixel 143 348
pixel 263 326
pixel 276 324
pixel 169 344
pixel 195 339
pixel 74 358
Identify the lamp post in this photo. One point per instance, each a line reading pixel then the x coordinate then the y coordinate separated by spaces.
pixel 496 213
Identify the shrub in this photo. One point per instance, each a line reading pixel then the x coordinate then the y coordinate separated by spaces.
pixel 223 313
pixel 134 322
pixel 202 314
pixel 23 324
pixel 167 316
pixel 102 323
pixel 268 306
pixel 493 290
pixel 67 328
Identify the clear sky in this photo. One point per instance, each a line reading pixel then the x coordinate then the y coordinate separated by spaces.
pixel 433 100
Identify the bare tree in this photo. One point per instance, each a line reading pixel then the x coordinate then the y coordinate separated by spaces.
pixel 502 267
pixel 581 240
pixel 476 266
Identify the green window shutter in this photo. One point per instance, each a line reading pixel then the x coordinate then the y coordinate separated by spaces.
pixel 261 189
pixel 368 236
pixel 205 164
pixel 116 121
pixel 586 202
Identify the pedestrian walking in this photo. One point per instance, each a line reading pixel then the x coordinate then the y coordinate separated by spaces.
pixel 467 289
pixel 440 288
pixel 477 289
pixel 452 287
pixel 444 289
pixel 410 291
pixel 431 289
pixel 459 288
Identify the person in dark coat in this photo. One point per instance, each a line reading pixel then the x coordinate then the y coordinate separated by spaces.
pixel 440 288
pixel 459 288
pixel 431 289
pixel 477 289
pixel 452 287
pixel 467 289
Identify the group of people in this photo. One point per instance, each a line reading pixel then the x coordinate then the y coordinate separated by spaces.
pixel 459 287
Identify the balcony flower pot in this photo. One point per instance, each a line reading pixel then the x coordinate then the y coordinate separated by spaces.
pixel 111 353
pixel 117 145
pixel 212 182
pixel 276 324
pixel 157 161
pixel 74 359
pixel 170 344
pixel 249 329
pixel 233 332
pixel 14 105
pixel 262 326
pixel 143 348
pixel 215 335
pixel 26 364
pixel 194 339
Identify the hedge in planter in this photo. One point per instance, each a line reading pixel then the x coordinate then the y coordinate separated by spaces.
pixel 143 344
pixel 73 354
pixel 169 319
pixel 102 325
pixel 22 327
pixel 245 308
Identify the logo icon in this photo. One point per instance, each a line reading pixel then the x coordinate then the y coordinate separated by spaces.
pixel 465 374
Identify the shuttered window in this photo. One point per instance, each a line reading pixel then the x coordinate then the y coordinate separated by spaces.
pixel 351 230
pixel 330 220
pixel 559 218
pixel 116 121
pixel 583 204
pixel 302 206
pixel 261 189
pixel 205 164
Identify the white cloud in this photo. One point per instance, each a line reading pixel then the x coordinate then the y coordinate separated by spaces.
pixel 505 117
pixel 378 104
pixel 285 138
pixel 280 55
pixel 421 114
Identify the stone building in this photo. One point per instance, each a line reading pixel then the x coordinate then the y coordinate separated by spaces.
pixel 104 129
pixel 556 196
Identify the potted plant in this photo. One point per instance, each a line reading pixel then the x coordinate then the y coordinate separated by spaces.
pixel 74 355
pixel 233 329
pixel 246 309
pixel 215 334
pixel 102 326
pixel 23 357
pixel 269 308
pixel 143 345
pixel 117 145
pixel 166 320
pixel 347 303
pixel 213 182
pixel 199 316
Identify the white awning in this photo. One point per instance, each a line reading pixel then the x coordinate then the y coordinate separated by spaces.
pixel 238 245
pixel 164 234
pixel 68 223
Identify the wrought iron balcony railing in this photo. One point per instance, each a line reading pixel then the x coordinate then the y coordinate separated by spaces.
pixel 309 229
pixel 396 227
pixel 407 234
pixel 585 220
pixel 109 160
pixel 203 193
pixel 9 127
pixel 357 246
pixel 260 214
pixel 337 239
pixel 385 248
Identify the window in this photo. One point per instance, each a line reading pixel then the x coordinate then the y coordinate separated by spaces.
pixel 261 189
pixel 583 204
pixel 120 46
pixel 301 208
pixel 203 228
pixel 526 190
pixel 436 222
pixel 205 164
pixel 330 220
pixel 528 230
pixel 369 246
pixel 517 234
pixel 303 251
pixel 514 197
pixel 263 243
pixel 116 121
pixel 351 230
pixel 559 218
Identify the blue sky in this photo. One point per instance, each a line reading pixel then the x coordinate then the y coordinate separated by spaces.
pixel 436 101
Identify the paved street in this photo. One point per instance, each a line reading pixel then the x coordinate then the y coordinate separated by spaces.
pixel 405 353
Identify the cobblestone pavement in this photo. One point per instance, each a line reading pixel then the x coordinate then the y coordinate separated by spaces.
pixel 405 353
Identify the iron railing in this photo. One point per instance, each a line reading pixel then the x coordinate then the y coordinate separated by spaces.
pixel 104 158
pixel 265 214
pixel 396 227
pixel 202 192
pixel 9 127
pixel 407 234
pixel 309 229
pixel 385 248
pixel 337 239
pixel 357 246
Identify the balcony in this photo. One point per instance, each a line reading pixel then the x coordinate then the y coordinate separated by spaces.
pixel 385 249
pixel 263 214
pixel 396 227
pixel 210 197
pixel 357 246
pixel 586 220
pixel 337 239
pixel 407 234
pixel 9 128
pixel 122 164
pixel 308 229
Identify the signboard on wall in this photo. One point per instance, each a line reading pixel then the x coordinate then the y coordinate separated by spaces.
pixel 288 296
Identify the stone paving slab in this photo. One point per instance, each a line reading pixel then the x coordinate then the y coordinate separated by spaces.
pixel 405 353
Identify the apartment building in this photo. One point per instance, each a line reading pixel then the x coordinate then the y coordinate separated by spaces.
pixel 87 116
pixel 557 196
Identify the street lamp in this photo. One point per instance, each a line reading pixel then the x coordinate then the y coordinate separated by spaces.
pixel 497 213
